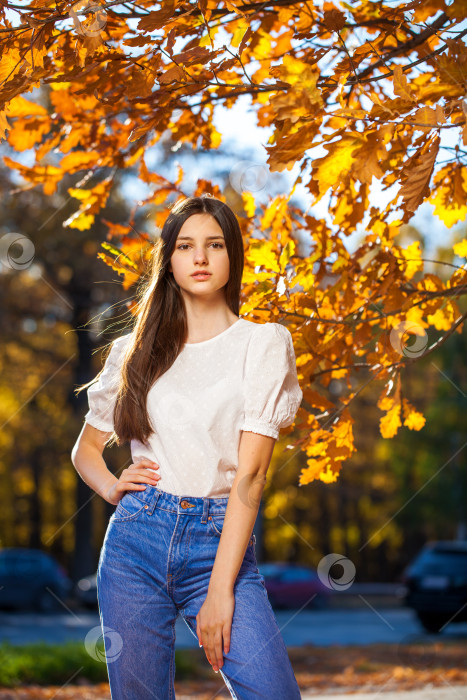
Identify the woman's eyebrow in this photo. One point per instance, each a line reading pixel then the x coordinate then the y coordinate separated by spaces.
pixel 209 238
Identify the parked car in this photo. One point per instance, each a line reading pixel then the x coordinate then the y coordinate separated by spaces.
pixel 436 584
pixel 293 586
pixel 30 578
pixel 85 591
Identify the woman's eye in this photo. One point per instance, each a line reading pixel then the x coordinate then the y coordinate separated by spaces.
pixel 182 246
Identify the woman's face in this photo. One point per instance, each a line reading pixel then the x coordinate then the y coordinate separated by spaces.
pixel 200 246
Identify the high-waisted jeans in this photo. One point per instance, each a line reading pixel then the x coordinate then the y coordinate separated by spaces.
pixel 155 563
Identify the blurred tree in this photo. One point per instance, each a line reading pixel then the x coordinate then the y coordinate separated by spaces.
pixel 56 302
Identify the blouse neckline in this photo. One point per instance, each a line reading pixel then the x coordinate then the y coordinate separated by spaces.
pixel 221 334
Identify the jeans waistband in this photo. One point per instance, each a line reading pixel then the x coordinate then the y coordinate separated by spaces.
pixel 186 505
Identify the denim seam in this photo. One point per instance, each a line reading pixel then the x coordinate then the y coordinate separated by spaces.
pixel 212 524
pixel 172 662
pixel 177 576
pixel 192 515
pixel 169 556
pixel 182 613
pixel 126 518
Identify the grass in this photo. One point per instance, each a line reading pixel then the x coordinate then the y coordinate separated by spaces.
pixel 54 664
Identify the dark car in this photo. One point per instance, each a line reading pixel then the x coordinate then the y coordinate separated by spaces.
pixel 288 586
pixel 293 586
pixel 436 584
pixel 85 591
pixel 30 578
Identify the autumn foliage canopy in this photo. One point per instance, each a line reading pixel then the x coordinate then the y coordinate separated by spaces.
pixel 355 93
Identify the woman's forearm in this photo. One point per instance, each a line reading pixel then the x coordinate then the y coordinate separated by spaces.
pixel 90 465
pixel 240 517
pixel 254 456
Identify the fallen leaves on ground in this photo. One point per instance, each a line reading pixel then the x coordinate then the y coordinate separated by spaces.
pixel 317 669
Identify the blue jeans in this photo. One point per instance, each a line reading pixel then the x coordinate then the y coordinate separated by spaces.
pixel 156 562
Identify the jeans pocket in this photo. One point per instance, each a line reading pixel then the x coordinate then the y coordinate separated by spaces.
pixel 129 507
pixel 216 523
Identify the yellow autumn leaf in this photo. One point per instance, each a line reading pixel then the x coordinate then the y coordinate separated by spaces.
pixel 80 220
pixel 441 319
pixel 460 248
pixel 46 175
pixel 26 133
pixel 287 252
pixel 450 196
pixel 10 64
pixel 413 419
pixel 261 253
pixel 4 125
pixel 78 160
pixel 415 322
pixel 206 39
pixel 330 169
pixel 317 450
pixel 412 254
pixel 19 106
pixel 239 33
pixel 249 203
pixel 391 422
pixel 313 470
pixel 328 476
pixel 215 138
pixel 401 86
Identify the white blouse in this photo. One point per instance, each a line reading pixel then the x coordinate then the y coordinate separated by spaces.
pixel 245 378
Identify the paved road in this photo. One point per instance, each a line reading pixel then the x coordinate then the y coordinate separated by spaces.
pixel 455 692
pixel 319 627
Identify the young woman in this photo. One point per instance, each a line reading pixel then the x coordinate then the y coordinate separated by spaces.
pixel 201 395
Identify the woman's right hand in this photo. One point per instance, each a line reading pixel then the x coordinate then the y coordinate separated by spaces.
pixel 131 479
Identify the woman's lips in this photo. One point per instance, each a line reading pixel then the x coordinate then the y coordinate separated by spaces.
pixel 201 276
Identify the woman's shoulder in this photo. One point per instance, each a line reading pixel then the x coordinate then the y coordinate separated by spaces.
pixel 122 340
pixel 269 330
pixel 118 346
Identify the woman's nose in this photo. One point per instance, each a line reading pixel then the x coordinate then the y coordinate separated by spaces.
pixel 200 255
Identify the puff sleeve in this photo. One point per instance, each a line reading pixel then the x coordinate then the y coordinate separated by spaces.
pixel 272 393
pixel 102 395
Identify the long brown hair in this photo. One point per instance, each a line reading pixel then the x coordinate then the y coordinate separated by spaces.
pixel 160 329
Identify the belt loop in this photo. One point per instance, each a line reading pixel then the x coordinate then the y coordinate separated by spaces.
pixel 204 517
pixel 152 505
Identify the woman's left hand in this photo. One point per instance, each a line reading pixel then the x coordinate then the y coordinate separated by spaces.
pixel 213 625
